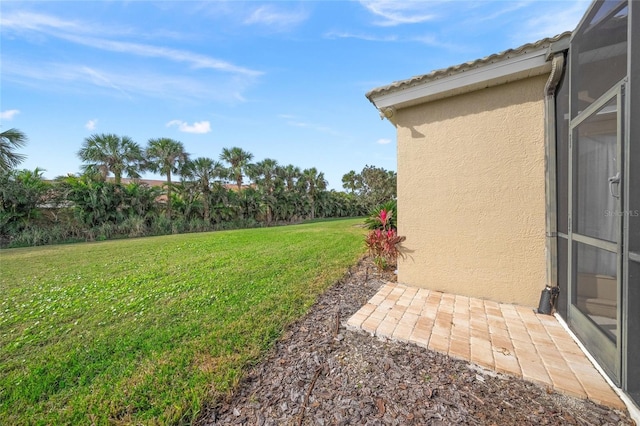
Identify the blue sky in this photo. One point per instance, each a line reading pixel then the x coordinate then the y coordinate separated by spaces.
pixel 282 80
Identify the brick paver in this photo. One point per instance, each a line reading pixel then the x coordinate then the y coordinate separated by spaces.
pixel 507 338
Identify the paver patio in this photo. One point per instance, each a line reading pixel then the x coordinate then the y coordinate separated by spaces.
pixel 506 338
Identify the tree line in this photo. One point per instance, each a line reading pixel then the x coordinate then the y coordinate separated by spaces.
pixel 108 199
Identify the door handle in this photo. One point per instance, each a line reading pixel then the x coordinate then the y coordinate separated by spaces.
pixel 614 180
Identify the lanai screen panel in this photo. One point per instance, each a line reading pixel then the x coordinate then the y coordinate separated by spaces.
pixel 633 209
pixel 599 50
pixel 599 59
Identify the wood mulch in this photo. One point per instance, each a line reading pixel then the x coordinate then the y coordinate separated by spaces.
pixel 320 373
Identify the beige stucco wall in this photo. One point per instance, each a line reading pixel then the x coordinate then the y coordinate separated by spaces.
pixel 471 193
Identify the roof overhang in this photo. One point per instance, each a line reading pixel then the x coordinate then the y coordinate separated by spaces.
pixel 525 62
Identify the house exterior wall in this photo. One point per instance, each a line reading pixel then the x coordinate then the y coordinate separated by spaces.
pixel 471 193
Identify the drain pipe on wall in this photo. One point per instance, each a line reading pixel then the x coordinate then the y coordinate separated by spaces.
pixel 549 294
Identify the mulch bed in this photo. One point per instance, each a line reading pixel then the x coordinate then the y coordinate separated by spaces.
pixel 320 373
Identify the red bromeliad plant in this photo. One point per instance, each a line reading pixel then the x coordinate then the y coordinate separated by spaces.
pixel 383 242
pixel 374 221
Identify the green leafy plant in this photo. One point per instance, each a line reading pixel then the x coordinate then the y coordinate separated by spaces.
pixel 391 211
pixel 383 241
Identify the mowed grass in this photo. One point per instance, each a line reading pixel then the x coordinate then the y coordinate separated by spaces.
pixel 146 331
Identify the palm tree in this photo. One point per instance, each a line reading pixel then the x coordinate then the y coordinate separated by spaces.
pixel 265 173
pixel 312 182
pixel 204 171
pixel 289 174
pixel 238 159
pixel 166 156
pixel 288 205
pixel 249 201
pixel 109 153
pixel 186 200
pixel 350 181
pixel 9 141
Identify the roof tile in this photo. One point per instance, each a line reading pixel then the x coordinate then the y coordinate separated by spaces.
pixel 455 69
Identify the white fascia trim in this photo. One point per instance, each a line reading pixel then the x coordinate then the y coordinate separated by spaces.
pixel 525 65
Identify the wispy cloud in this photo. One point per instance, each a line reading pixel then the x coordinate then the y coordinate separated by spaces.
pixel 76 32
pixel 199 127
pixel 433 41
pixel 286 116
pixel 562 18
pixel 360 36
pixel 21 21
pixel 78 78
pixel 9 114
pixel 195 60
pixel 383 141
pixel 275 18
pixel 312 126
pixel 102 80
pixel 524 21
pixel 229 79
pixel 38 22
pixel 293 121
pixel 478 11
pixel 392 13
pixel 91 124
pixel 429 40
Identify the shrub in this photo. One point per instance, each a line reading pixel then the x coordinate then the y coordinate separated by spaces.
pixel 197 224
pixel 30 236
pixel 161 225
pixel 383 241
pixel 374 222
pixel 134 226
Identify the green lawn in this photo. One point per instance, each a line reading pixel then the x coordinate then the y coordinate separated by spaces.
pixel 145 331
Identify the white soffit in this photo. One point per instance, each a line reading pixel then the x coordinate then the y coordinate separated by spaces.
pixel 522 66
